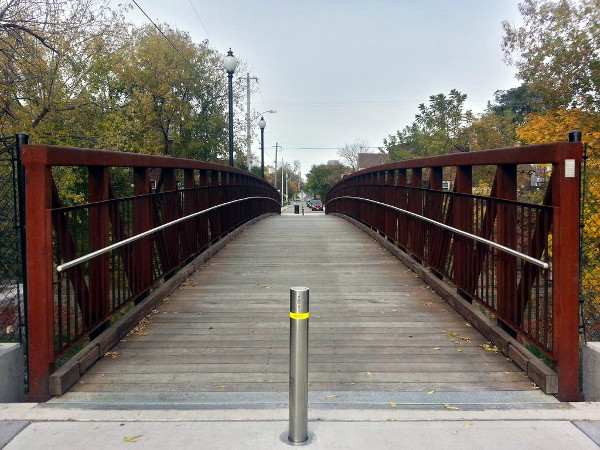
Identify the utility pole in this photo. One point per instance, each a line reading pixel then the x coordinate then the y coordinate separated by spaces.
pixel 248 124
pixel 276 147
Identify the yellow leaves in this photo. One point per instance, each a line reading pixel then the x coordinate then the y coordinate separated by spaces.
pixel 467 425
pixel 436 348
pixel 369 373
pixel 459 350
pixel 553 126
pixel 331 396
pixel 448 406
pixel 489 347
pixel 132 438
pixel 431 392
pixel 393 404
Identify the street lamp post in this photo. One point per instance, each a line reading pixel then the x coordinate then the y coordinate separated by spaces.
pixel 262 124
pixel 230 64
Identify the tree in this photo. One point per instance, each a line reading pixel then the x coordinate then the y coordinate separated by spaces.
pixel 349 153
pixel 557 51
pixel 518 102
pixel 435 131
pixel 49 52
pixel 554 126
pixel 322 177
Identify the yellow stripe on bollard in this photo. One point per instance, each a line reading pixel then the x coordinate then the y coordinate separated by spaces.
pixel 298 315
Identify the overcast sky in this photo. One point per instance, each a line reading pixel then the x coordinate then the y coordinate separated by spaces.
pixel 341 70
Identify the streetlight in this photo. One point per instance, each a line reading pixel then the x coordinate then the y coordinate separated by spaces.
pixel 230 64
pixel 262 124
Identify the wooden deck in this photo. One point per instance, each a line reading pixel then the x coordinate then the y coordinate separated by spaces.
pixel 374 325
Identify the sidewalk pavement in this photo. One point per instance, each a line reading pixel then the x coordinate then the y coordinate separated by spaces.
pixel 96 426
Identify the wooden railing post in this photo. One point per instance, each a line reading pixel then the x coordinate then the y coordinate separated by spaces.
pixel 565 259
pixel 40 308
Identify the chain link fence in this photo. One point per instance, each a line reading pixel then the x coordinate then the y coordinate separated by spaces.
pixel 590 244
pixel 12 271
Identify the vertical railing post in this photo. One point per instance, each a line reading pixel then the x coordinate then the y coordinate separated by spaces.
pixel 462 218
pixel 204 203
pixel 416 242
pixel 142 221
pixel 565 258
pixel 99 220
pixel 40 314
pixel 190 206
pixel 434 202
pixel 298 402
pixel 506 187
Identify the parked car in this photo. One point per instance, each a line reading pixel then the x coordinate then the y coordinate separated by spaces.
pixel 316 205
pixel 308 203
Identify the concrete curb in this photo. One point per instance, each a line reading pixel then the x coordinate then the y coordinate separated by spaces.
pixel 535 368
pixel 62 379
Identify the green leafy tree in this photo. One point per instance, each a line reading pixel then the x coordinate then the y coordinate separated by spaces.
pixel 518 102
pixel 436 129
pixel 557 51
pixel 322 177
pixel 49 52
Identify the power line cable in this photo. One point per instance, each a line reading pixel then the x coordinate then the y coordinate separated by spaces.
pixel 165 36
pixel 199 19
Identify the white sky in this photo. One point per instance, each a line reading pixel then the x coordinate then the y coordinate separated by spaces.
pixel 341 70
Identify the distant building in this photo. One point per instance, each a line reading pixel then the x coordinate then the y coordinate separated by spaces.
pixel 366 160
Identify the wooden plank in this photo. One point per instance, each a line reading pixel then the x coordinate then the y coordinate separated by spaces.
pixel 374 325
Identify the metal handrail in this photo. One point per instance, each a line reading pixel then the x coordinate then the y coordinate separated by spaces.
pixel 131 239
pixel 510 251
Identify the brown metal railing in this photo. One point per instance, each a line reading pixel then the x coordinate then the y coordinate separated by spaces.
pixel 449 232
pixel 163 231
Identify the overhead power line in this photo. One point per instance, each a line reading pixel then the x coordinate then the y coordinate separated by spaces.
pixel 165 36
pixel 199 19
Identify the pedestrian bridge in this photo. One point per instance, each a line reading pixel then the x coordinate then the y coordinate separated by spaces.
pixel 183 292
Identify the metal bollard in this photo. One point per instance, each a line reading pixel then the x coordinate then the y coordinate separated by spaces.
pixel 298 364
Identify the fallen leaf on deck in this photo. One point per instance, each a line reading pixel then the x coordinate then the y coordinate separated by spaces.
pixel 132 438
pixel 369 373
pixel 459 350
pixel 489 347
pixel 454 433
pixel 468 324
pixel 431 392
pixel 447 406
pixel 331 396
pixel 467 425
pixel 393 405
pixel 436 348
pixel 112 355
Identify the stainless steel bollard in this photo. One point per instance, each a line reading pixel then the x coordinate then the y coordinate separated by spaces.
pixel 298 364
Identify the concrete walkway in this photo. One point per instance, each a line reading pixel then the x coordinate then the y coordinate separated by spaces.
pixel 43 426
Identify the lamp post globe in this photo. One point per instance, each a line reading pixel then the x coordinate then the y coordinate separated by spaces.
pixel 230 63
pixel 262 124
